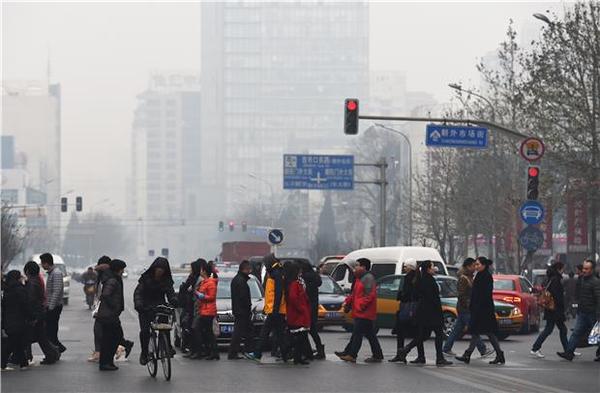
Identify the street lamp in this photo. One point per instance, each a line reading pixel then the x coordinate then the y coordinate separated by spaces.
pixel 542 17
pixel 459 88
pixel 410 216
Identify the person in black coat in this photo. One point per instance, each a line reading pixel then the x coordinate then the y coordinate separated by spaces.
pixel 313 281
pixel 15 314
pixel 186 301
pixel 407 293
pixel 557 315
pixel 483 314
pixel 241 302
pixel 429 315
pixel 112 304
pixel 37 326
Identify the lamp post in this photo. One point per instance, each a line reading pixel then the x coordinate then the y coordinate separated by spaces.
pixel 459 88
pixel 268 183
pixel 410 219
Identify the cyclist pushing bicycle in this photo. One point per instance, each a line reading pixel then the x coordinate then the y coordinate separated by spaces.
pixel 155 288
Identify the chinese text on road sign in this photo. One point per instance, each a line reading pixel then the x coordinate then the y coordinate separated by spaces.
pixel 318 172
pixel 441 135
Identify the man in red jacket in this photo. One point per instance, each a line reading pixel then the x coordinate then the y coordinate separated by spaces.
pixel 363 302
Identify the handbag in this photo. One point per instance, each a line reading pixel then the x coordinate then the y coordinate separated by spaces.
pixel 594 337
pixel 215 327
pixel 408 311
pixel 546 300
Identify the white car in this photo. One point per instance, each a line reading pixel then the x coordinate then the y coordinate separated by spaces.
pixel 60 264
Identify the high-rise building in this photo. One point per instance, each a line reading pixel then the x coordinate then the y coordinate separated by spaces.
pixel 274 79
pixel 164 190
pixel 31 136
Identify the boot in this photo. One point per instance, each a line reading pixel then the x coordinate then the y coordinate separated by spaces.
pixel 441 361
pixel 418 360
pixel 499 358
pixel 320 352
pixel 465 358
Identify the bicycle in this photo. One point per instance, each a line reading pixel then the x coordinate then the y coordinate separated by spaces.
pixel 159 347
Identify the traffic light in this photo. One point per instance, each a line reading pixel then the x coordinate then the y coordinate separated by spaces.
pixel 244 226
pixel 221 226
pixel 533 181
pixel 63 204
pixel 231 226
pixel 79 203
pixel 351 116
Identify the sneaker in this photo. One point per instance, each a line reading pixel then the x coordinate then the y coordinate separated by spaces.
pixel 94 357
pixel 120 352
pixel 537 354
pixel 576 353
pixel 8 369
pixel 450 353
pixel 487 353
pixel 32 363
pixel 252 356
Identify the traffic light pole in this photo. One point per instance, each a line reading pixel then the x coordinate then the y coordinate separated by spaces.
pixel 490 124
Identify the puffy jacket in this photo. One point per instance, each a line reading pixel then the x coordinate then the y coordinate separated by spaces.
pixel 589 297
pixel 298 305
pixel 274 296
pixel 363 298
pixel 556 289
pixel 241 301
pixel 15 308
pixel 112 303
pixel 207 306
pixel 465 286
pixel 35 296
pixel 150 293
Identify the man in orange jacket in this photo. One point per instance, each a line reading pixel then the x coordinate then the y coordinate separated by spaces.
pixel 363 302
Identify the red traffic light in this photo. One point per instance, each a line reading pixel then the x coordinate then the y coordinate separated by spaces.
pixel 351 105
pixel 533 171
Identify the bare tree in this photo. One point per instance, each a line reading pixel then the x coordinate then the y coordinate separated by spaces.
pixel 13 236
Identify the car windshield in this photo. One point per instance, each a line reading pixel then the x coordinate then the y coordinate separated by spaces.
pixel 328 267
pixel 504 285
pixel 224 288
pixel 330 287
pixel 448 288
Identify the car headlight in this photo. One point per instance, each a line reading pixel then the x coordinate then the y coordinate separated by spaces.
pixel 516 312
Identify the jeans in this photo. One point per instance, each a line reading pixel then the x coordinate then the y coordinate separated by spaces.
pixel 314 328
pixel 112 334
pixel 242 329
pixel 562 330
pixel 462 321
pixel 583 324
pixel 274 323
pixel 422 335
pixel 207 334
pixel 364 328
pixel 52 320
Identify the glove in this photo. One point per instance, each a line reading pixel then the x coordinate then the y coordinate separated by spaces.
pixel 200 295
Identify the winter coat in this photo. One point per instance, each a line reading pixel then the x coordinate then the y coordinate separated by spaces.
pixel 429 306
pixel 570 285
pixel 363 298
pixel 408 292
pixel 274 292
pixel 298 305
pixel 35 297
pixel 555 287
pixel 15 308
pixel 313 281
pixel 241 301
pixel 150 293
pixel 589 297
pixel 112 302
pixel 207 306
pixel 54 288
pixel 483 315
pixel 465 286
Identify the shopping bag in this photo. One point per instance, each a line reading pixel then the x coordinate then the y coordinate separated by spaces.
pixel 594 337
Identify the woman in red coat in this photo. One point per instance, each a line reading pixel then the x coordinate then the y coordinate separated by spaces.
pixel 207 308
pixel 298 310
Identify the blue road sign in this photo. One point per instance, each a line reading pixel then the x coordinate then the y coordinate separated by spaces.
pixel 318 172
pixel 275 236
pixel 531 212
pixel 441 135
pixel 531 238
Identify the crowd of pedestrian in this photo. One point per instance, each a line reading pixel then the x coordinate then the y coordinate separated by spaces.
pixel 32 306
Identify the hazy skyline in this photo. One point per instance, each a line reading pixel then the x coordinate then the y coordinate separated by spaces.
pixel 103 54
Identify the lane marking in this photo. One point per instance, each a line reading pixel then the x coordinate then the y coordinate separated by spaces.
pixel 458 380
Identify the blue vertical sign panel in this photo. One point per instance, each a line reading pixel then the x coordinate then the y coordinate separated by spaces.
pixel 441 135
pixel 318 172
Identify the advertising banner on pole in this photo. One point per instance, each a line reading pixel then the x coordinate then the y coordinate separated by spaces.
pixel 577 224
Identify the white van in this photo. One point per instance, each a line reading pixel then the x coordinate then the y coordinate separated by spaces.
pixel 385 261
pixel 60 264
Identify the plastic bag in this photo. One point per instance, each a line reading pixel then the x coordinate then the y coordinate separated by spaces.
pixel 594 337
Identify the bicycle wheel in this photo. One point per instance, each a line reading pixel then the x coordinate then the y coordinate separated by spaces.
pixel 152 356
pixel 165 354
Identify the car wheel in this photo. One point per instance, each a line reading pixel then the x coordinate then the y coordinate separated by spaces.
pixel 449 321
pixel 502 336
pixel 347 327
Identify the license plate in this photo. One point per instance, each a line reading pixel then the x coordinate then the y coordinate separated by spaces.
pixel 332 315
pixel 226 329
pixel 505 322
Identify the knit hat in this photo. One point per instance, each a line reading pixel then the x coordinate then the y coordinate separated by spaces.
pixel 411 263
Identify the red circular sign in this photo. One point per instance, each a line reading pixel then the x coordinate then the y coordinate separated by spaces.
pixel 532 149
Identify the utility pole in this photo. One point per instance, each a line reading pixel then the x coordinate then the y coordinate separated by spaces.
pixel 382 183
